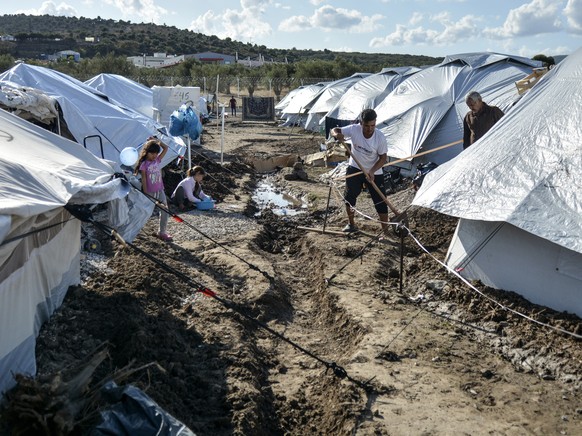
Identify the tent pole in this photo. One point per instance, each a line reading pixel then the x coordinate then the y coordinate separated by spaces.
pixel 222 140
pixel 189 152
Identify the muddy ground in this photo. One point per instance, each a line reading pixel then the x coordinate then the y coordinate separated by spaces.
pixel 307 332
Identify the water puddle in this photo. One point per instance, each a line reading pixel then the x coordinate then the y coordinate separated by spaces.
pixel 267 196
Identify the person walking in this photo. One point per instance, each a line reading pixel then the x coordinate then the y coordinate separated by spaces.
pixel 233 106
pixel 479 119
pixel 149 165
pixel 369 148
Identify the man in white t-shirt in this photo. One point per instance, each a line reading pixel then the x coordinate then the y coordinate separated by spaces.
pixel 369 148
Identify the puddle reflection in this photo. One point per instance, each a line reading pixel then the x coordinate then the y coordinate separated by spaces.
pixel 267 196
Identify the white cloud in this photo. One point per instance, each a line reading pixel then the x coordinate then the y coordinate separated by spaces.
pixel 416 18
pixel 50 8
pixel 453 31
pixel 548 51
pixel 573 12
pixel 328 18
pixel 240 25
pixel 296 23
pixel 316 2
pixel 255 4
pixel 533 18
pixel 145 10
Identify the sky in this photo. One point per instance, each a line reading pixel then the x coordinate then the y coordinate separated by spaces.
pixel 420 27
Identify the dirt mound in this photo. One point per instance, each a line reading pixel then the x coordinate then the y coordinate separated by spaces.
pixel 273 327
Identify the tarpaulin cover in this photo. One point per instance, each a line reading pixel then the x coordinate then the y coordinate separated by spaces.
pixel 89 113
pixel 369 92
pixel 327 97
pixel 124 92
pixel 427 109
pixel 527 170
pixel 296 109
pixel 40 172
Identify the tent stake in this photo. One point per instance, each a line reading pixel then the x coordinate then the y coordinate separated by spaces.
pixel 402 234
pixel 327 208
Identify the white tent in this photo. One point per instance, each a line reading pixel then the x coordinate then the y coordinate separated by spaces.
pixel 101 126
pixel 366 94
pixel 280 107
pixel 295 112
pixel 518 192
pixel 124 92
pixel 427 110
pixel 40 172
pixel 326 99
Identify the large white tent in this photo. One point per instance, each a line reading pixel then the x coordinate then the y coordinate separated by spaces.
pixel 426 111
pixel 518 194
pixel 280 107
pixel 124 92
pixel 296 110
pixel 366 94
pixel 100 125
pixel 326 99
pixel 40 172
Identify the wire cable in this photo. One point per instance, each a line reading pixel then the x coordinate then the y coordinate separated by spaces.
pixel 84 214
pixel 179 219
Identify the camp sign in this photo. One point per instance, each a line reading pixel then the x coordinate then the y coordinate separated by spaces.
pixel 166 99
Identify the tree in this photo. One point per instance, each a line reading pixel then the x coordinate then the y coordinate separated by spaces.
pixel 277 75
pixel 321 70
pixel 6 62
pixel 253 79
pixel 343 68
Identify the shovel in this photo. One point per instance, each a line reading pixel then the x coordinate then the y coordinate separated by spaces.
pixel 399 217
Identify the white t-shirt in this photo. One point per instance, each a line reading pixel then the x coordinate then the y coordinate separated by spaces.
pixel 188 184
pixel 366 150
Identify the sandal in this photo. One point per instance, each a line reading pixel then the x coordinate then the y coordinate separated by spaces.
pixel 165 237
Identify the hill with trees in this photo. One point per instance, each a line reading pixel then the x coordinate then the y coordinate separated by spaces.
pixel 105 44
pixel 38 34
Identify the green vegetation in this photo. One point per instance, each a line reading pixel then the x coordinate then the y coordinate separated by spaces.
pixel 46 34
pixel 111 42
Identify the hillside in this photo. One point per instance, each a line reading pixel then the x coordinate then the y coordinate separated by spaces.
pixel 46 34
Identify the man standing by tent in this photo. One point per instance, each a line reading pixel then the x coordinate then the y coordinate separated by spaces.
pixel 479 119
pixel 369 148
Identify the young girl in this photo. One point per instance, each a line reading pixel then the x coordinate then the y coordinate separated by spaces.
pixel 149 165
pixel 190 190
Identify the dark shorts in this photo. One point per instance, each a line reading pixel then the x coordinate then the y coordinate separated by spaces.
pixel 355 184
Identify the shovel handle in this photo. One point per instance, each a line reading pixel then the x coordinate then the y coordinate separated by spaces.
pixel 382 195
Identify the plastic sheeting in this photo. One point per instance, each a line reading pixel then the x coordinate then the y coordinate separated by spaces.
pixel 135 413
pixel 124 92
pixel 527 170
pixel 295 111
pixel 326 99
pixel 89 113
pixel 40 172
pixel 426 111
pixel 31 100
pixel 369 92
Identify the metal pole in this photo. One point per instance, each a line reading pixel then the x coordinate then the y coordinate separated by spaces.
pixel 401 260
pixel 222 140
pixel 216 98
pixel 189 152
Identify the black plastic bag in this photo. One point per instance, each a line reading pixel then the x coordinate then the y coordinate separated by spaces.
pixel 134 413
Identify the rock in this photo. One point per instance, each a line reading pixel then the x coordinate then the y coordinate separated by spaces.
pixel 436 285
